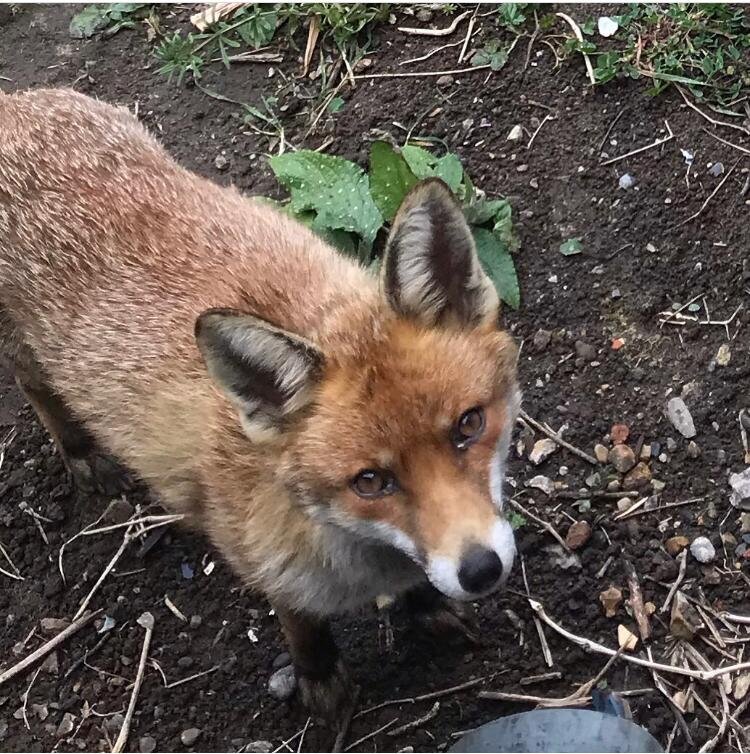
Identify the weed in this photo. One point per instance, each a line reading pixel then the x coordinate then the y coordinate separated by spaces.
pixel 349 207
pixel 109 18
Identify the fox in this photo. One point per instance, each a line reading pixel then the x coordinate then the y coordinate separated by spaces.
pixel 339 434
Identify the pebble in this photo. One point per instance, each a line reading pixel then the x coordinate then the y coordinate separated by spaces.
pixel 740 484
pixel 622 458
pixel 578 534
pixel 645 453
pixel 679 415
pixel 663 457
pixel 515 133
pixel 594 481
pixel 601 453
pixel 626 181
pixel 424 15
pixel 190 736
pixel 702 550
pixel 658 486
pixel 675 545
pixel 542 339
pixel 543 483
pixel 716 169
pixel 522 168
pixel 724 355
pixel 185 662
pixel 282 683
pixel 65 728
pixel 259 747
pixel 146 744
pixel 542 450
pixel 624 504
pixel 611 600
pixel 685 620
pixel 745 522
pixel 693 449
pixel 585 351
pixel 614 485
pixel 638 477
pixel 671 445
pixel 220 163
pixel 445 80
pixel 195 621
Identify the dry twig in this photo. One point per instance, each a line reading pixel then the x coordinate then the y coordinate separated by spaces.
pixel 710 196
pixel 682 557
pixel 447 31
pixel 406 727
pixel 372 734
pixel 413 74
pixel 546 526
pixel 579 36
pixel 656 143
pixel 711 120
pixel 728 143
pixel 522 415
pixel 636 600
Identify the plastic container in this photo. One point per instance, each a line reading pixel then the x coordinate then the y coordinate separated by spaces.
pixel 559 730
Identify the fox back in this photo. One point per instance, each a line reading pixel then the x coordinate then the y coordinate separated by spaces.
pixel 338 435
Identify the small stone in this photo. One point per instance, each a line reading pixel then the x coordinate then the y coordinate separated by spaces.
pixel 578 534
pixel 65 728
pixel 702 550
pixel 693 449
pixel 515 133
pixel 220 163
pixel 594 481
pixel 679 415
pixel 724 355
pixel 614 485
pixel 195 621
pixel 622 458
pixel 671 444
pixel 745 522
pixel 190 736
pixel 638 477
pixel 741 686
pixel 611 600
pixel 658 486
pixel 185 662
pixel 542 450
pixel 601 453
pixel 563 471
pixel 716 169
pixel 51 665
pixel 445 80
pixel 663 458
pixel 282 684
pixel 146 744
pixel 675 545
pixel 615 294
pixel 645 453
pixel 624 504
pixel 259 747
pixel 542 339
pixel 655 450
pixel 585 351
pixel 619 433
pixel 626 181
pixel 543 483
pixel 684 621
pixel 534 183
pixel 626 639
pixel 522 168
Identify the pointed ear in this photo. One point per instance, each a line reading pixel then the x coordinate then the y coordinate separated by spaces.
pixel 431 270
pixel 268 374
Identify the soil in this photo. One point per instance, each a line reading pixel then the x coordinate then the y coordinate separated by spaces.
pixel 637 260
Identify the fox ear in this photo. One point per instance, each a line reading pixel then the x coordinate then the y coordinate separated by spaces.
pixel 268 374
pixel 431 270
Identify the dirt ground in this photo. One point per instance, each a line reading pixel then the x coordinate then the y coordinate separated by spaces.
pixel 635 264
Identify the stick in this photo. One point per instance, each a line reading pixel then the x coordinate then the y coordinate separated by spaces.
pixel 611 126
pixel 556 675
pixel 411 74
pixel 147 621
pixel 636 600
pixel 191 677
pixel 579 36
pixel 592 646
pixel 673 589
pixel 432 713
pixel 374 733
pixel 631 513
pixel 343 732
pixel 554 436
pixel 45 649
pixel 539 128
pixel 710 196
pixel 428 55
pixel 728 143
pixel 543 642
pixel 18 576
pixel 26 698
pixel 708 117
pixel 469 32
pixel 447 31
pixel 656 143
pixel 547 527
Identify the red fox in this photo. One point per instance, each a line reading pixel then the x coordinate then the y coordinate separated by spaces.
pixel 338 435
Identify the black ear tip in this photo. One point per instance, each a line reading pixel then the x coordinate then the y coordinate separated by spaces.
pixel 211 317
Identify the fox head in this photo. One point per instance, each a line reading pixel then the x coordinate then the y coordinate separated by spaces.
pixel 402 439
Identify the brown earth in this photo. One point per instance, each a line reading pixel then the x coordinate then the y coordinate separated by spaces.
pixel 635 263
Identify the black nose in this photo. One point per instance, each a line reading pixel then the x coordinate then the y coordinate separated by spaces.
pixel 480 569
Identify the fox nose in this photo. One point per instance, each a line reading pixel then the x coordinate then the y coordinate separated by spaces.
pixel 480 569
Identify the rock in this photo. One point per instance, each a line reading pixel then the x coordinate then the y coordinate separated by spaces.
pixel 745 522
pixel 702 550
pixel 626 181
pixel 51 665
pixel 741 686
pixel 663 458
pixel 740 484
pixel 65 728
pixel 220 163
pixel 679 415
pixel 185 662
pixel 622 458
pixel 282 684
pixel 723 356
pixel 693 449
pixel 543 483
pixel 594 481
pixel 542 450
pixel 638 477
pixel 113 723
pixel 626 639
pixel 619 433
pixel 645 453
pixel 624 504
pixel 566 561
pixel 607 25
pixel 671 444
pixel 283 659
pixel 190 736
pixel 685 620
pixel 53 625
pixel 542 339
pixel 522 168
pixel 578 534
pixel 146 744
pixel 445 80
pixel 611 600
pixel 601 453
pixel 259 747
pixel 675 545
pixel 585 351
pixel 515 133
pixel 716 169
pixel 658 486
pixel 195 621
pixel 614 485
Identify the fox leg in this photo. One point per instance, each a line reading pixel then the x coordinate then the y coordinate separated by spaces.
pixel 442 617
pixel 322 678
pixel 91 470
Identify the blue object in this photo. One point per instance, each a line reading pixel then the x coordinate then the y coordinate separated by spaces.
pixel 559 730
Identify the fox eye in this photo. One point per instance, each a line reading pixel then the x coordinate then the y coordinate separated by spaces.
pixel 468 429
pixel 371 483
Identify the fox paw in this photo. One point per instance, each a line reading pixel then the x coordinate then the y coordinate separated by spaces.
pixel 99 473
pixel 328 699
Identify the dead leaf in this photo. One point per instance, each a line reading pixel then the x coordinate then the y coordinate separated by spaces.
pixel 626 639
pixel 611 600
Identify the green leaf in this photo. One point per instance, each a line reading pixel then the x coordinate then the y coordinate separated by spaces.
pixel 91 19
pixel 449 168
pixel 516 520
pixel 336 104
pixel 571 247
pixel 420 161
pixel 390 178
pixel 336 189
pixel 498 264
pixel 484 210
pixel 259 28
